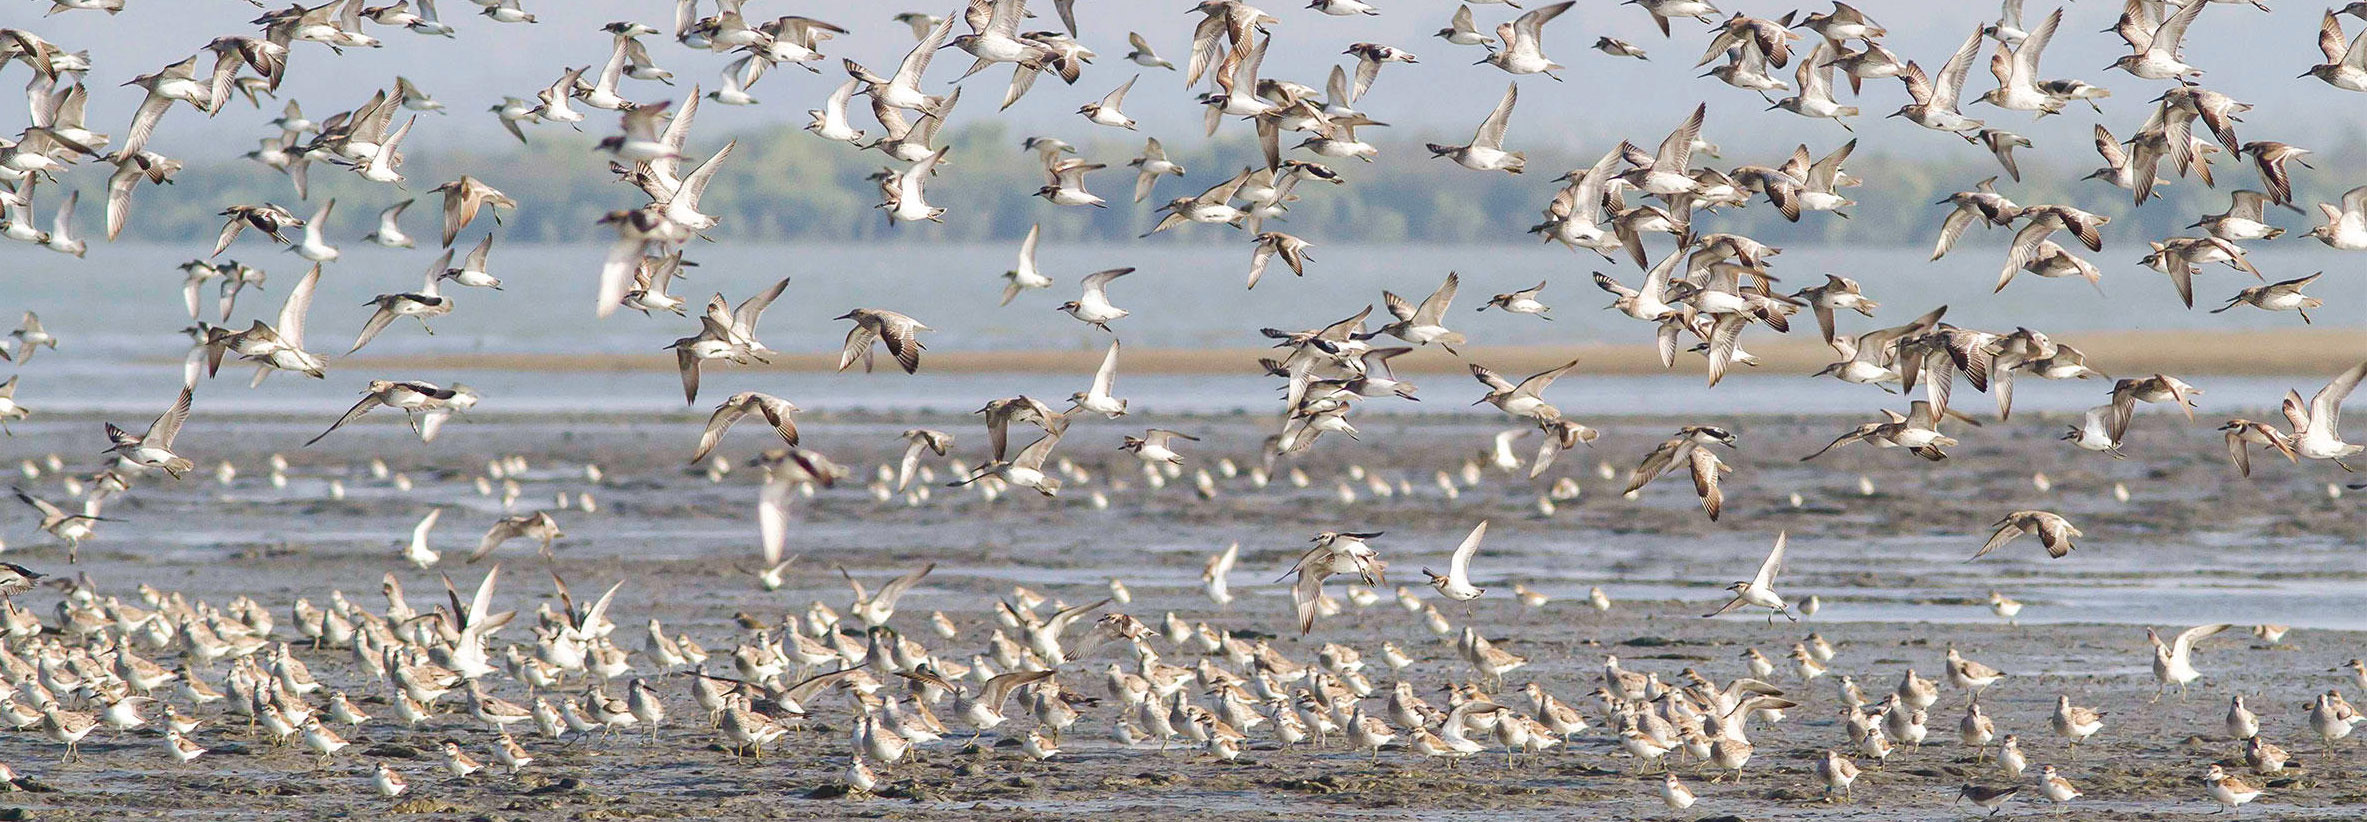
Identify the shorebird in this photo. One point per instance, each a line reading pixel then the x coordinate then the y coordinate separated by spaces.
pixel 1094 307
pixel 411 397
pixel 1620 48
pixel 1523 301
pixel 1335 553
pixel 2074 723
pixel 899 333
pixel 2227 791
pixel 2346 225
pixel 2173 663
pixel 1456 584
pixel 28 337
pixel 1426 323
pixel 1986 797
pixel 1674 794
pixel 1026 276
pixel 1486 151
pixel 1142 55
pixel 1759 591
pixel 2346 66
pixel 1150 166
pixel 1270 244
pixel 2316 425
pixel 1815 96
pixel 1027 469
pixel 2127 393
pixel 538 526
pixel 1065 184
pixel 466 196
pixel 267 218
pixel 2269 158
pixel 154 448
pixel 428 301
pixel 69 528
pixel 1098 399
pixel 2054 532
pixel 2157 51
pixel 1462 32
pixel 2279 296
pixel 2006 608
pixel 16 579
pixel 777 412
pixel 1523 41
pixel 918 439
pixel 1689 451
pixel 1105 112
pixel 1156 446
pixel 1525 400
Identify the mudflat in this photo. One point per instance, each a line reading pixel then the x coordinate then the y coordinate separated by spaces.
pixel 1878 537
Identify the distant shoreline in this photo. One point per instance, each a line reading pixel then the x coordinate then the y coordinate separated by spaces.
pixel 2299 352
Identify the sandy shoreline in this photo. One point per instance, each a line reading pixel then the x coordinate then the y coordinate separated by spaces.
pixel 2280 352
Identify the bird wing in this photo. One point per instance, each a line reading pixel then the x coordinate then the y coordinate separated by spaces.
pixel 1676 151
pixel 426 524
pixel 1706 468
pixel 1950 83
pixel 503 531
pixel 1728 608
pixel 167 425
pixel 369 400
pixel 772 519
pixel 2166 39
pixel 1035 453
pixel 909 463
pixel 378 322
pixel 687 362
pixel 687 197
pixel 1491 130
pixel 1490 378
pixel 2325 407
pixel 1258 258
pixel 1433 309
pixel 1305 593
pixel 1765 579
pixel 1654 463
pixel 1097 283
pixel 1105 379
pixel 1530 27
pixel 1951 229
pixel 2187 638
pixel 1459 567
pixel 888 594
pixel 2007 531
pixel 729 412
pixel 999 688
pixel 47 510
pixel 743 318
pixel 291 315
pixel 2023 71
pixel 1111 101
pixel 903 340
pixel 1535 385
pixel 477 255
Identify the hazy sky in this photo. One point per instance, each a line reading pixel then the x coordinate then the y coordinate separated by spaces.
pixel 2249 54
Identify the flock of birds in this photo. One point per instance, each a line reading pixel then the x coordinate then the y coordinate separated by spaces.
pixel 90 665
